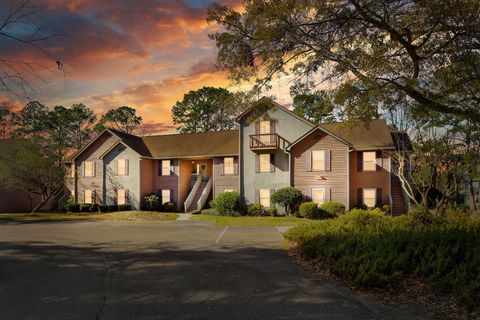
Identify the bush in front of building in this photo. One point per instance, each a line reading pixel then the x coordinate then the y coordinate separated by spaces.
pixel 124 207
pixel 103 208
pixel 308 210
pixel 112 208
pixel 85 207
pixel 227 203
pixel 255 209
pixel 289 198
pixel 335 208
pixel 169 207
pixel 72 207
pixel 152 202
pixel 94 207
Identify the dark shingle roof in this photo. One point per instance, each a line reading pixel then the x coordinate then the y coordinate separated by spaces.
pixel 193 144
pixel 134 142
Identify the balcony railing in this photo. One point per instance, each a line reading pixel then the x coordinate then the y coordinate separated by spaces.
pixel 264 141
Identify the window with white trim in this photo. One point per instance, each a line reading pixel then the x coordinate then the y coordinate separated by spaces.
pixel 264 197
pixel 121 196
pixel 318 160
pixel 165 167
pixel 72 170
pixel 318 195
pixel 370 197
pixel 88 196
pixel 89 168
pixel 165 196
pixel 228 166
pixel 122 169
pixel 369 161
pixel 265 130
pixel 264 159
pixel 228 190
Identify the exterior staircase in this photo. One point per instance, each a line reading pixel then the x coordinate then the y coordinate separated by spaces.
pixel 193 206
pixel 398 200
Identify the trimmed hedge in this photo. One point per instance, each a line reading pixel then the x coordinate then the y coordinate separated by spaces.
pixel 308 210
pixel 124 207
pixel 169 207
pixel 334 208
pixel 255 209
pixel 227 203
pixel 289 198
pixel 370 249
pixel 85 208
pixel 72 207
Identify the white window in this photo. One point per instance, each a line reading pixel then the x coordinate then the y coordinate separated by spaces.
pixel 369 161
pixel 165 195
pixel 72 170
pixel 318 195
pixel 122 167
pixel 89 168
pixel 264 159
pixel 228 190
pixel 228 166
pixel 121 196
pixel 165 167
pixel 370 197
pixel 88 196
pixel 318 160
pixel 264 195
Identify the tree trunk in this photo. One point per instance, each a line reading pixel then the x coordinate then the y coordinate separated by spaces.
pixel 471 203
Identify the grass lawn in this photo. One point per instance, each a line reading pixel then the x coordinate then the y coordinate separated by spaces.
pixel 119 216
pixel 251 221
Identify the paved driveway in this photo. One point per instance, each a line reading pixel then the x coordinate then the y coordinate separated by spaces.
pixel 162 270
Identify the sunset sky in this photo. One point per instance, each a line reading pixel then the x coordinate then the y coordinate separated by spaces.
pixel 144 53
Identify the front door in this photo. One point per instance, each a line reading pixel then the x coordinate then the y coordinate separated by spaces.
pixel 202 169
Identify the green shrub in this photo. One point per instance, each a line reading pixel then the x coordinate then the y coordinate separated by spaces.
pixel 308 210
pixel 94 207
pixel 227 203
pixel 152 202
pixel 361 206
pixel 113 208
pixel 210 211
pixel 334 208
pixel 169 207
pixel 272 211
pixel 370 249
pixel 124 207
pixel 103 208
pixel 255 209
pixel 72 207
pixel 85 208
pixel 289 198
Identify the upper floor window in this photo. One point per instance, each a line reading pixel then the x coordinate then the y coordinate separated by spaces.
pixel 89 168
pixel 318 195
pixel 72 170
pixel 318 160
pixel 122 167
pixel 369 161
pixel 264 197
pixel 88 194
pixel 165 167
pixel 228 166
pixel 265 162
pixel 264 127
pixel 165 196
pixel 122 196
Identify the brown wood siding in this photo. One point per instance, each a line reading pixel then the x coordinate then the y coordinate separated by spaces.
pixel 369 179
pixel 186 168
pixel 336 179
pixel 146 178
pixel 93 153
pixel 167 182
pixel 17 201
pixel 221 181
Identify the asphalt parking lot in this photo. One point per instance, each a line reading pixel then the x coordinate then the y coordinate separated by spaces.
pixel 163 270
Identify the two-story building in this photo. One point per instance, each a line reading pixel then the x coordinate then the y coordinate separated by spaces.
pixel 272 148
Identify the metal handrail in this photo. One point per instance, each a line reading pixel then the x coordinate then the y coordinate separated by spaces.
pixel 203 198
pixel 193 192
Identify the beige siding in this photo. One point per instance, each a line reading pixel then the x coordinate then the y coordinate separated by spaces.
pixel 369 179
pixel 146 177
pixel 221 181
pixel 335 180
pixel 93 153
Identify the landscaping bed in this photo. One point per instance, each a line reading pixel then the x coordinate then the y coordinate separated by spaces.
pixel 119 216
pixel 417 257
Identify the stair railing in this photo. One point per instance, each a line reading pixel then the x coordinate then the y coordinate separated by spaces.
pixel 203 198
pixel 192 194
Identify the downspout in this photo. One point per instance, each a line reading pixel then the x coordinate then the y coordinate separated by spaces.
pixel 348 178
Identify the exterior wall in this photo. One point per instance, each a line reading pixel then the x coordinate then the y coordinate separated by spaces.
pixel 221 181
pixel 146 178
pixel 167 182
pixel 130 182
pixel 289 128
pixel 335 181
pixel 93 153
pixel 186 170
pixel 17 201
pixel 369 179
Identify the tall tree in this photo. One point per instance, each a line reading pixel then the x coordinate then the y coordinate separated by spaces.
pixel 124 119
pixel 206 109
pixel 315 107
pixel 31 120
pixel 5 123
pixel 420 53
pixel 83 120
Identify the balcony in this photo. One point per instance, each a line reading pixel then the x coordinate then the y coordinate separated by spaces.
pixel 267 141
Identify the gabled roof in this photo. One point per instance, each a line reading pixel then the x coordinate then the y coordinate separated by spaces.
pixel 274 104
pixel 358 135
pixel 183 145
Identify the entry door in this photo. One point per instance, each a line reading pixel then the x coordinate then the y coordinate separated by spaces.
pixel 202 169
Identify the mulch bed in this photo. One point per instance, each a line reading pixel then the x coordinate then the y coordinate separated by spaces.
pixel 410 294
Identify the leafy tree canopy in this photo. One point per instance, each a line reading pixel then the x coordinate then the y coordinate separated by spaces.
pixel 123 119
pixel 316 107
pixel 381 54
pixel 206 109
